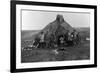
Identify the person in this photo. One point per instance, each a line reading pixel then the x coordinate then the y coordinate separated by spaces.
pixel 78 39
pixel 66 37
pixel 51 41
pixel 61 40
pixel 69 41
pixel 74 36
pixel 42 39
pixel 69 36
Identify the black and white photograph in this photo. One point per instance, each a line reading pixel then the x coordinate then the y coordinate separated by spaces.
pixel 53 35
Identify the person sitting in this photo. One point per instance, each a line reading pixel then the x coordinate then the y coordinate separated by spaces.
pixel 62 42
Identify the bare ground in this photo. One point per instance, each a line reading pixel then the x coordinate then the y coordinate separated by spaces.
pixel 79 52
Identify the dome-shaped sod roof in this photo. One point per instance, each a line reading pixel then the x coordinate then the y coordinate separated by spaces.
pixel 58 27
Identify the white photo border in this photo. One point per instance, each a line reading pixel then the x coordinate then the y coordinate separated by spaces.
pixel 51 64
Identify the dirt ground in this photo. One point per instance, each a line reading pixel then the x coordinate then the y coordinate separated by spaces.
pixel 79 52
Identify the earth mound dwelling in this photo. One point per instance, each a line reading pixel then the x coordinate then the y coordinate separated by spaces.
pixel 57 33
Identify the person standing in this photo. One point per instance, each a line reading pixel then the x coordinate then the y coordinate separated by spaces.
pixel 42 39
pixel 74 36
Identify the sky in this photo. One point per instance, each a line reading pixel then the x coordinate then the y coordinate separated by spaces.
pixel 37 20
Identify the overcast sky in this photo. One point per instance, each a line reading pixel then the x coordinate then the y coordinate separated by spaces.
pixel 37 20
